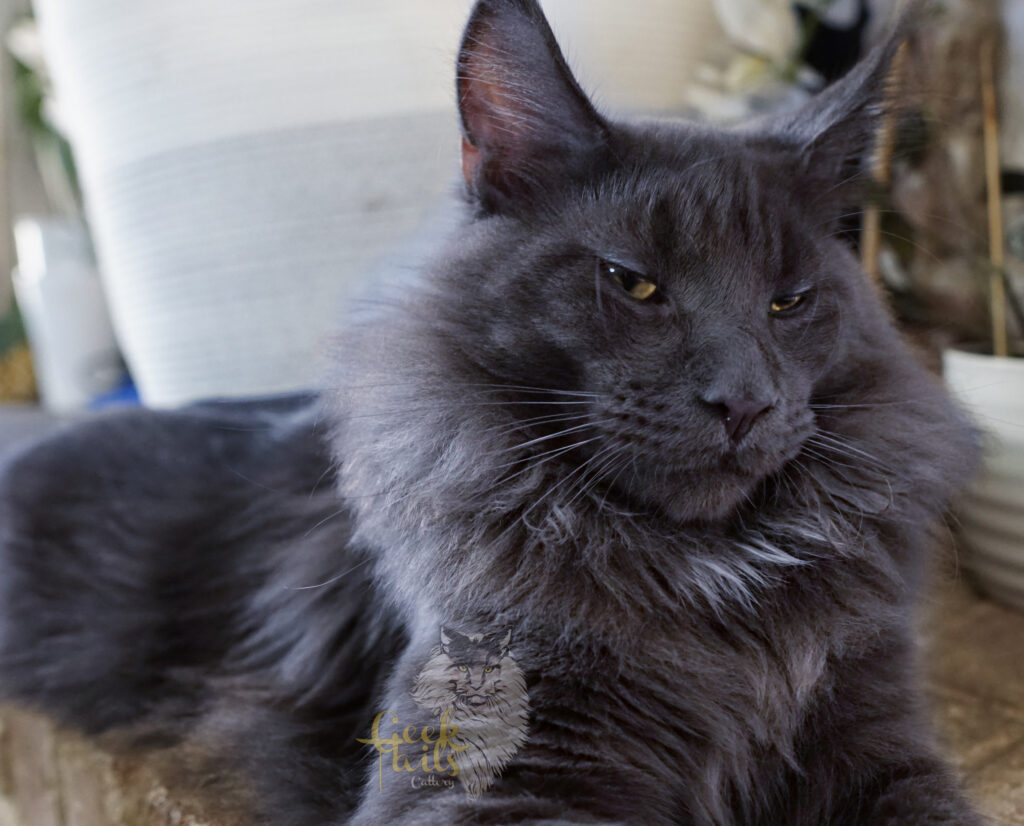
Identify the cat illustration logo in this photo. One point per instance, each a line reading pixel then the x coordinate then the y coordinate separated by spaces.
pixel 476 691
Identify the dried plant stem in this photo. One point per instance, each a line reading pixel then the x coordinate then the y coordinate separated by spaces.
pixel 871 243
pixel 997 293
pixel 881 170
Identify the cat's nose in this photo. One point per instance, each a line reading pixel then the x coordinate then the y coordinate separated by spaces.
pixel 738 413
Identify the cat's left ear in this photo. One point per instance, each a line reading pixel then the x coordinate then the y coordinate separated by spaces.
pixel 833 137
pixel 526 123
pixel 504 642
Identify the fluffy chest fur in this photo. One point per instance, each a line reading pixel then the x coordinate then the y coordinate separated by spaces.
pixel 691 664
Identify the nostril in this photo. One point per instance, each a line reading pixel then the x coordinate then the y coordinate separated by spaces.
pixel 739 414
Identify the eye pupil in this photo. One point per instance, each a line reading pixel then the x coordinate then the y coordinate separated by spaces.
pixel 633 283
pixel 785 303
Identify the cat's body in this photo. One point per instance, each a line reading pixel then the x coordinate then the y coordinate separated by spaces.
pixel 756 671
pixel 644 412
pixel 197 612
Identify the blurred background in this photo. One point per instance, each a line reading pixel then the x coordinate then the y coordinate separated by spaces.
pixel 190 190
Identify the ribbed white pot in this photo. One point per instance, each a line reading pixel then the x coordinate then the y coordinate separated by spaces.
pixel 992 512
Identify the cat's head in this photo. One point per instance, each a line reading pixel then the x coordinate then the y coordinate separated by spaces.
pixel 473 667
pixel 680 290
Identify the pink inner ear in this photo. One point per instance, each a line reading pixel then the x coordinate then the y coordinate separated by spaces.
pixel 497 110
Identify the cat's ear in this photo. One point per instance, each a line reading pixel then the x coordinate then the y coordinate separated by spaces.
pixel 834 136
pixel 525 120
pixel 446 639
pixel 501 640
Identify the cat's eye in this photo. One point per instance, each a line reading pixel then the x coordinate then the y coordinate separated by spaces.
pixel 787 303
pixel 638 286
pixel 489 669
pixel 463 668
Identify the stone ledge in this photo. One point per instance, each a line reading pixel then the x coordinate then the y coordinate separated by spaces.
pixel 975 677
pixel 50 777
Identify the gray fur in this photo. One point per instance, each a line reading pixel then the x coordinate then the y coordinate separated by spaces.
pixel 733 621
pixel 712 630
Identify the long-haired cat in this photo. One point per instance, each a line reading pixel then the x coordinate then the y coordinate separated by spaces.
pixel 643 411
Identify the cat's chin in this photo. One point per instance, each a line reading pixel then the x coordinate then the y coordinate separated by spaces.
pixel 706 500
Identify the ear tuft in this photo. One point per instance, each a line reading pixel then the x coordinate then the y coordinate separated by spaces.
pixel 835 134
pixel 525 119
pixel 849 123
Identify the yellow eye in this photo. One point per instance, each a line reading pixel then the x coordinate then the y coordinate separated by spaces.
pixel 632 282
pixel 489 669
pixel 785 303
pixel 463 668
pixel 643 290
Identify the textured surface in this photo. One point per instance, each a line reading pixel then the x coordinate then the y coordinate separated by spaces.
pixel 975 666
pixel 976 677
pixel 51 778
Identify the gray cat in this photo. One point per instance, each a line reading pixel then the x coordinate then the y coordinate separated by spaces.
pixel 644 410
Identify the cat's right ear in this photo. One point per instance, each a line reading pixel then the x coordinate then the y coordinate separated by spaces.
pixel 525 120
pixel 446 639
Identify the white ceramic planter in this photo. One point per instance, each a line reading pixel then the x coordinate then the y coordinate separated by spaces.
pixel 992 512
pixel 61 300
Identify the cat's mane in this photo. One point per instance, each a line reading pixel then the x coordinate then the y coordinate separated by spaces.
pixel 415 430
